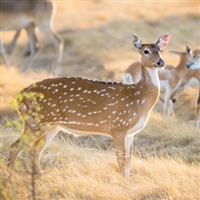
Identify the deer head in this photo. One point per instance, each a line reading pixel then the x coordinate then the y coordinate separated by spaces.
pixel 150 52
pixel 195 60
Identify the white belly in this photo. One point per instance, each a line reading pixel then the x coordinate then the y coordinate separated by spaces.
pixel 82 133
pixel 141 123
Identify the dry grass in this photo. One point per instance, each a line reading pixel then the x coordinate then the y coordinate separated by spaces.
pixel 72 172
pixel 166 155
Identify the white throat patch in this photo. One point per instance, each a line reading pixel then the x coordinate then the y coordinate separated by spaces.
pixel 154 76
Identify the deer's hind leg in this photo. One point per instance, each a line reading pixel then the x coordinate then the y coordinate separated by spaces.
pixel 22 143
pixel 42 143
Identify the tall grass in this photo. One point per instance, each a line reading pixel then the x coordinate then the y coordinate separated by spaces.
pixel 71 172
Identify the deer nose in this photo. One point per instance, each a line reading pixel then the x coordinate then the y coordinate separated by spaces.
pixel 160 63
pixel 188 65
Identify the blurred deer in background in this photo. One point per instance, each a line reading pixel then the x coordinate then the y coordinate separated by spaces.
pixel 88 107
pixel 170 79
pixel 28 15
pixel 192 78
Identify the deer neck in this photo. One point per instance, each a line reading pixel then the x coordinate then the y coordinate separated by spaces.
pixel 181 67
pixel 150 82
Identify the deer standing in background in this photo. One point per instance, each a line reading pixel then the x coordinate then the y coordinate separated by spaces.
pixel 88 107
pixel 192 78
pixel 170 79
pixel 29 14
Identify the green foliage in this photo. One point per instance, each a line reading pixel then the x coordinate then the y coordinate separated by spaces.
pixel 8 124
pixel 20 97
pixel 185 32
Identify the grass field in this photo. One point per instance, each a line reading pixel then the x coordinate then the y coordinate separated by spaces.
pixel 97 34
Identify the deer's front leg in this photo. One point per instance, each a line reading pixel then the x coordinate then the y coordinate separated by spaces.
pixel 119 147
pixel 128 149
pixel 168 104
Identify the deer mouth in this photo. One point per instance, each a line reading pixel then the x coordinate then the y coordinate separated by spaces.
pixel 188 65
pixel 156 66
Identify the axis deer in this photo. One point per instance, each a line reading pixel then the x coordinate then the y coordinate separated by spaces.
pixel 29 14
pixel 192 78
pixel 88 107
pixel 170 79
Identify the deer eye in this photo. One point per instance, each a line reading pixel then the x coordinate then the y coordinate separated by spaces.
pixel 146 52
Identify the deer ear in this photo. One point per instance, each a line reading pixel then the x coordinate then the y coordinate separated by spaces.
pixel 188 49
pixel 163 41
pixel 136 41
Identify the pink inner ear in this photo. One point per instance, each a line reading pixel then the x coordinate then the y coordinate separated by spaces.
pixel 136 41
pixel 163 41
pixel 166 38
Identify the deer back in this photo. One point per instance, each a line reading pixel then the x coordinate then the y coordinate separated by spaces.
pixel 88 105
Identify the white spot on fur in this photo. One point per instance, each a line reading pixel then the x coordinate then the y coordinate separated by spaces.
pixel 143 101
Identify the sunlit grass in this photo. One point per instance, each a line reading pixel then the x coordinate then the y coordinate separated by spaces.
pixel 71 172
